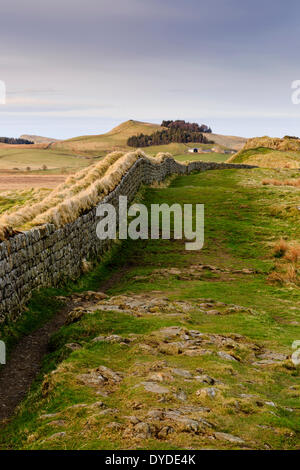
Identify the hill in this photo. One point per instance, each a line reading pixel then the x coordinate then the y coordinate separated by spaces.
pixel 229 141
pixel 37 139
pixel 116 139
pixel 269 152
pixel 48 156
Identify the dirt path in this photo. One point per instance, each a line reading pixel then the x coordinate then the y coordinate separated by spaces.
pixel 25 360
pixel 24 364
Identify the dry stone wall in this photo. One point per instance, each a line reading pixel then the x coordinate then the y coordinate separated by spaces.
pixel 47 256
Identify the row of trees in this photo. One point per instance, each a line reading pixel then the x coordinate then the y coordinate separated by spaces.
pixel 187 126
pixel 166 136
pixel 12 140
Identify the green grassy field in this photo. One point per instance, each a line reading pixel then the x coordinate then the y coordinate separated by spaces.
pixel 209 157
pixel 15 199
pixel 36 158
pixel 254 403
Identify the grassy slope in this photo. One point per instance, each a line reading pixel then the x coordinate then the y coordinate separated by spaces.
pixel 239 230
pixel 267 158
pixel 228 141
pixel 113 140
pixel 269 153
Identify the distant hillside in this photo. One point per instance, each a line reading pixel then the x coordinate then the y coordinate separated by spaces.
pixel 37 139
pixel 229 141
pixel 270 152
pixel 116 139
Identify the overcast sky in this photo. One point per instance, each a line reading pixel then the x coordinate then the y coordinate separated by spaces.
pixel 80 67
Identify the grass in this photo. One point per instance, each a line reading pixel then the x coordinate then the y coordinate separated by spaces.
pixel 11 200
pixel 240 232
pixel 269 153
pixel 11 158
pixel 210 157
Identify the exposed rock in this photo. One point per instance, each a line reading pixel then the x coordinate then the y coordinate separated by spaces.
pixel 205 379
pixel 270 403
pixel 223 436
pixel 186 423
pixel 108 411
pixel 49 415
pixel 161 377
pixel 170 331
pixel 155 388
pixel 265 362
pixel 165 431
pixel 57 435
pixel 90 295
pixel 76 315
pixel 114 426
pixel 273 356
pixel 98 339
pixel 226 356
pixel 213 312
pixel 180 395
pixel 182 373
pixel 194 409
pixel 143 430
pixel 133 419
pixel 73 346
pixel 210 392
pixel 111 339
pixel 155 414
pixel 101 376
pixel 57 422
pixel 97 404
pixel 146 349
pixel 77 406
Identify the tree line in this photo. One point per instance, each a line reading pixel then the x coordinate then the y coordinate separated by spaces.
pixel 187 126
pixel 12 140
pixel 176 131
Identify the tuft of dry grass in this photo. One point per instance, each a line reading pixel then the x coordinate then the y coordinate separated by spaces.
pixel 275 143
pixel 293 253
pixel 289 275
pixel 287 271
pixel 276 182
pixel 280 248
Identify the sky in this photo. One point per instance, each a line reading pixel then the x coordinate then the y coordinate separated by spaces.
pixel 74 68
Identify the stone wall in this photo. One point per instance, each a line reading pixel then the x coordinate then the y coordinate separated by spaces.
pixel 46 256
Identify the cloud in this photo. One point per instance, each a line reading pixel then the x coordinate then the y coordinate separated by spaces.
pixel 148 59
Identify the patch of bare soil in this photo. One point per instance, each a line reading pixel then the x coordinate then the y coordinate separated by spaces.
pixel 11 182
pixel 24 364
